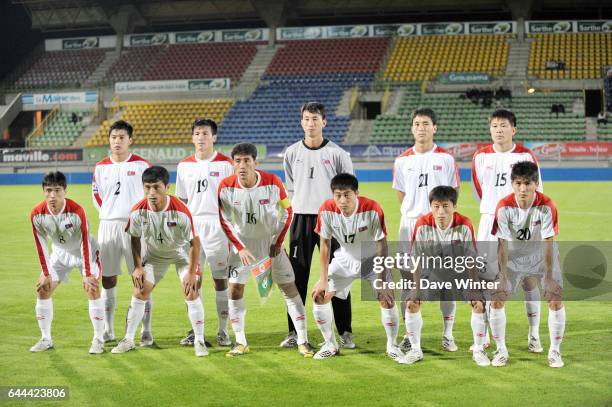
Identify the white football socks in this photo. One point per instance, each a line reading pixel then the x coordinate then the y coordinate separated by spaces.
pixel 237 313
pixel 108 296
pixel 497 322
pixel 195 310
pixel 478 329
pixel 532 309
pixel 296 310
pixel 448 309
pixel 148 314
pixel 324 318
pixel 96 314
pixel 390 320
pixel 556 328
pixel 414 324
pixel 44 316
pixel 221 298
pixel 134 316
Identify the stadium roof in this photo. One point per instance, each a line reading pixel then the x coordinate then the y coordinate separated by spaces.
pixel 149 15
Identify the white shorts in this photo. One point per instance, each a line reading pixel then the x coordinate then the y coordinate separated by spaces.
pixel 215 246
pixel 519 269
pixel 342 272
pixel 282 272
pixel 484 228
pixel 115 244
pixel 62 262
pixel 156 270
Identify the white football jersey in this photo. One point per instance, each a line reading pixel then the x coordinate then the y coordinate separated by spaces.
pixel 416 174
pixel 514 224
pixel 252 213
pixel 197 182
pixel 68 231
pixel 117 186
pixel 365 225
pixel 166 234
pixel 491 174
pixel 428 236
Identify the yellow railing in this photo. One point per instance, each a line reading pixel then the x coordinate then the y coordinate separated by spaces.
pixel 353 100
pixel 114 107
pixel 385 99
pixel 40 129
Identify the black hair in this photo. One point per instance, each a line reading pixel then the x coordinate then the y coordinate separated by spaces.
pixel 503 114
pixel 525 169
pixel 245 149
pixel 424 111
pixel 344 181
pixel 443 193
pixel 205 122
pixel 122 125
pixel 155 174
pixel 54 178
pixel 314 108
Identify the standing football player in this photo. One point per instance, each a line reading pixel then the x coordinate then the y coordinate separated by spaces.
pixel 116 187
pixel 63 221
pixel 197 180
pixel 310 164
pixel 249 206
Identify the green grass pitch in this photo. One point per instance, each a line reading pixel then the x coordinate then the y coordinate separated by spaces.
pixel 172 375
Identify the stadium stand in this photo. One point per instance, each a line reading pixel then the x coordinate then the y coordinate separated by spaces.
pixel 61 68
pixel 303 71
pixel 163 122
pixel 62 130
pixel 193 61
pixel 425 57
pixel 583 55
pixel 133 63
pixel 459 119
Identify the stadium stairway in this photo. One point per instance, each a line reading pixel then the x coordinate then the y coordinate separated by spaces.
pixel 518 59
pixel 256 69
pixel 96 77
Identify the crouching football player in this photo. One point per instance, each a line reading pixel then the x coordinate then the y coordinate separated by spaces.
pixel 351 220
pixel 163 222
pixel 442 232
pixel 63 221
pixel 525 224
pixel 249 206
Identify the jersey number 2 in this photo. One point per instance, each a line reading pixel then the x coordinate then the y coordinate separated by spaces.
pixel 118 187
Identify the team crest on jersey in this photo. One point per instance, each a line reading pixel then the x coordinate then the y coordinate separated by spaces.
pixel 537 222
pixel 326 161
pixel 171 224
pixel 264 201
pixel 455 242
pixel 363 228
pixel 437 168
pixel 214 173
pixel 131 173
pixel 68 225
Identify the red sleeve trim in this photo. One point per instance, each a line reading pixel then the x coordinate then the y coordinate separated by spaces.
pixel 75 208
pixel 327 206
pixel 367 204
pixel 41 254
pixel 222 157
pixel 543 200
pixel 136 157
pixel 189 159
pixel 178 205
pixel 281 236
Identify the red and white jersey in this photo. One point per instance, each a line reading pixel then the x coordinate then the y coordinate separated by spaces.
pixel 416 174
pixel 117 186
pixel 536 223
pixel 252 213
pixel 426 233
pixel 167 233
pixel 197 182
pixel 491 174
pixel 68 231
pixel 366 224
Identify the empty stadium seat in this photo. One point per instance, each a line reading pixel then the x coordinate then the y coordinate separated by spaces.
pixel 61 130
pixel 425 57
pixel 164 122
pixel 585 55
pixel 61 68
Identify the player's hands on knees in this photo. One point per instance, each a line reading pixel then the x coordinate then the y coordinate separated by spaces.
pixel 274 251
pixel 138 278
pixel 552 290
pixel 190 284
pixel 386 295
pixel 320 289
pixel 90 284
pixel 43 285
pixel 246 257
